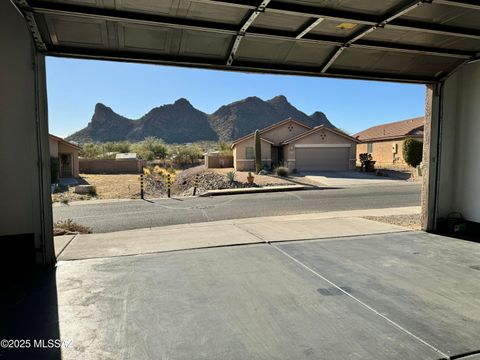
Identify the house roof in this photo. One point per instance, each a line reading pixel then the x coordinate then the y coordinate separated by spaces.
pixel 399 129
pixel 121 156
pixel 65 142
pixel 268 128
pixel 318 128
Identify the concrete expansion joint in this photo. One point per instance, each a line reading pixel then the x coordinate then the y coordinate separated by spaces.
pixel 368 307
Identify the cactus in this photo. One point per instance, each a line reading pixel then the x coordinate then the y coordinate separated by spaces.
pixel 258 152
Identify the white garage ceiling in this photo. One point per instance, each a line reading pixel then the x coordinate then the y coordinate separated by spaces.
pixel 402 40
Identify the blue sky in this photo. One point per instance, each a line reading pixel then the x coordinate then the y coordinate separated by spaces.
pixel 75 86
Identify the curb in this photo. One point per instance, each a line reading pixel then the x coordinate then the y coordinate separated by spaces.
pixel 257 190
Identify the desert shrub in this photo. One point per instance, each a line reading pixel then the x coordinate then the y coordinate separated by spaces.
pixel 71 226
pixel 144 154
pixel 281 171
pixel 151 148
pixel 93 191
pixel 117 147
pixel 161 171
pixel 91 151
pixel 186 155
pixel 170 170
pixel 54 169
pixel 231 176
pixel 412 152
pixel 365 157
pixel 224 147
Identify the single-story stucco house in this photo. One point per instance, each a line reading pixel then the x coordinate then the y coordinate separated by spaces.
pixel 385 142
pixel 298 146
pixel 67 155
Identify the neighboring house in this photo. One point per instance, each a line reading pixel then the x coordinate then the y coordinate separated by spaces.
pixel 67 154
pixel 126 156
pixel 298 146
pixel 385 142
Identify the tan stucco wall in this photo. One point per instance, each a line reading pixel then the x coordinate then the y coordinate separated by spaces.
pixel 315 138
pixel 382 152
pixel 282 133
pixel 239 156
pixel 53 146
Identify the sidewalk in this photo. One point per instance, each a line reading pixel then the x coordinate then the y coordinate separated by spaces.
pixel 325 225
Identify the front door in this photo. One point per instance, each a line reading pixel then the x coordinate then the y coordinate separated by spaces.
pixel 65 165
pixel 277 155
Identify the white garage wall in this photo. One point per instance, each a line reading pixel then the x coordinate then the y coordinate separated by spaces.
pixel 459 183
pixel 23 162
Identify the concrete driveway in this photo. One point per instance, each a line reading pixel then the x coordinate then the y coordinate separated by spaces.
pixel 349 178
pixel 391 295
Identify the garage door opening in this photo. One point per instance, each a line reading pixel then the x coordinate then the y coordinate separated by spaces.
pixel 189 147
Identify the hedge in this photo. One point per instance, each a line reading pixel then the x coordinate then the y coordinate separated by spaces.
pixel 412 152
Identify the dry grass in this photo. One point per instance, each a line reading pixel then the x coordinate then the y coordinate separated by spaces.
pixel 261 180
pixel 69 226
pixel 123 186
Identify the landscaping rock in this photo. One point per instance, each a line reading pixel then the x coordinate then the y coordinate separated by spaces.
pixel 84 189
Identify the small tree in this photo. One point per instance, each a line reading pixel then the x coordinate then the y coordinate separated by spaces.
pixel 367 162
pixel 91 151
pixel 258 152
pixel 224 147
pixel 151 148
pixel 412 152
pixel 186 155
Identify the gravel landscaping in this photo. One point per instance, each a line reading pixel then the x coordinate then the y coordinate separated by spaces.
pixel 127 186
pixel 409 221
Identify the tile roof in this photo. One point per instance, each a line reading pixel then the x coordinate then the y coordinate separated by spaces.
pixel 317 128
pixel 268 128
pixel 65 142
pixel 394 130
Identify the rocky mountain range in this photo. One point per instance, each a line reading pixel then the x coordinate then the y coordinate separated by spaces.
pixel 180 122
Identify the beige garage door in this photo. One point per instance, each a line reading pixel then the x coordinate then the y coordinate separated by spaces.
pixel 322 159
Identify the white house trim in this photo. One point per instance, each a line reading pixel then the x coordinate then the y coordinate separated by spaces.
pixel 322 145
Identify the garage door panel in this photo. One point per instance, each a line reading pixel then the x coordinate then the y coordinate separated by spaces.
pixel 322 159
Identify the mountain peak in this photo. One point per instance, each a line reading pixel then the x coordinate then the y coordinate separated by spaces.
pixel 321 119
pixel 182 102
pixel 251 99
pixel 99 107
pixel 317 115
pixel 279 99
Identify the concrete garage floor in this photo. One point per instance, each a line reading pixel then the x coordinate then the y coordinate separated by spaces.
pixel 397 295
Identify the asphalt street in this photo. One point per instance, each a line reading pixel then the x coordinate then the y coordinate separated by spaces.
pixel 134 214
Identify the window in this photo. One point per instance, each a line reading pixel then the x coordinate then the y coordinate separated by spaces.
pixel 369 148
pixel 249 153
